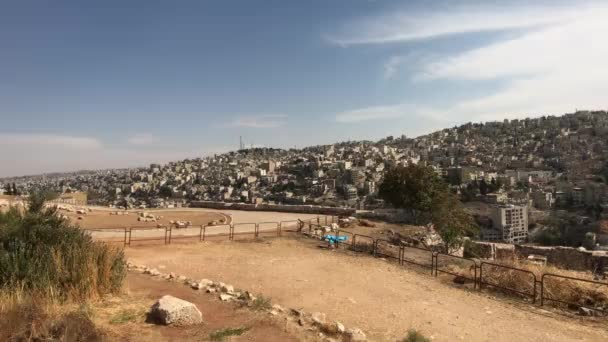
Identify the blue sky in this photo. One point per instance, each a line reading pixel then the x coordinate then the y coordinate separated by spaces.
pixel 125 83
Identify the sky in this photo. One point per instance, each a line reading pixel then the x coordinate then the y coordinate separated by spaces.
pixel 114 83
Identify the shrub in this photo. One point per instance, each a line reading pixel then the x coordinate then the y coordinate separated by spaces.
pixel 261 303
pixel 44 255
pixel 220 335
pixel 414 336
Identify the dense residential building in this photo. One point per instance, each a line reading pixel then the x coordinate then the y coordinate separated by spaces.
pixel 509 224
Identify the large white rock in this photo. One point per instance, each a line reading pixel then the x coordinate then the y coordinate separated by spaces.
pixel 171 310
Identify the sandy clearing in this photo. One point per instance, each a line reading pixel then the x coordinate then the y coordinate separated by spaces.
pixel 112 224
pixel 381 298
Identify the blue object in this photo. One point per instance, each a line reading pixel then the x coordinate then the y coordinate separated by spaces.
pixel 333 239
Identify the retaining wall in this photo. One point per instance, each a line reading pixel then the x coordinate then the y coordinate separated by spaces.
pixel 563 257
pixel 304 209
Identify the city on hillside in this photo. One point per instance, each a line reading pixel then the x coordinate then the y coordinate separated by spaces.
pixel 537 180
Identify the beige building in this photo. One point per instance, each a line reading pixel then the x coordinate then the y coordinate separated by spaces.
pixel 512 221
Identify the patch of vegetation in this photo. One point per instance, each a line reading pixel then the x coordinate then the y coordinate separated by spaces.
pixel 414 336
pixel 262 303
pixel 124 316
pixel 45 256
pixel 427 198
pixel 36 320
pixel 220 335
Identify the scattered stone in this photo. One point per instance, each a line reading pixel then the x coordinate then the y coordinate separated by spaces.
pixel 340 327
pixel 318 318
pixel 171 310
pixel 211 290
pixel 172 275
pixel 181 278
pixel 296 312
pixel 248 296
pixel 356 335
pixel 587 312
pixel 225 297
pixel 278 308
pixel 206 282
pixel 152 271
pixel 227 288
pixel 274 312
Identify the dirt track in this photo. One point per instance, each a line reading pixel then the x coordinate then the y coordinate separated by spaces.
pixel 379 297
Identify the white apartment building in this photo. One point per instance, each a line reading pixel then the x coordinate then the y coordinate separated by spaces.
pixel 512 221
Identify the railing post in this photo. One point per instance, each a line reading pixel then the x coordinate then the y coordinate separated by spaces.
pixel 480 276
pixel 231 232
pixel 354 243
pixel 279 226
pixel 200 234
pixel 337 239
pixel 375 244
pixel 542 290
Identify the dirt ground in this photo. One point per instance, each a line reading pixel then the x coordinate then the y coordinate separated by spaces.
pixel 100 218
pixel 382 298
pixel 143 291
pixel 103 219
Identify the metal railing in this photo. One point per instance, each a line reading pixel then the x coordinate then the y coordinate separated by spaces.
pixel 503 268
pixel 482 274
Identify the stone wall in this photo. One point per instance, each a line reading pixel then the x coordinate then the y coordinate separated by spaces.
pixel 304 209
pixel 563 257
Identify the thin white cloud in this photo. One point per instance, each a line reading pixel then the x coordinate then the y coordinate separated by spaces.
pixel 556 67
pixel 418 25
pixel 388 112
pixel 392 66
pixel 141 139
pixel 23 154
pixel 49 140
pixel 549 71
pixel 260 121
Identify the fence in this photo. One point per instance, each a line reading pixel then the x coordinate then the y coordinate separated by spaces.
pixel 510 280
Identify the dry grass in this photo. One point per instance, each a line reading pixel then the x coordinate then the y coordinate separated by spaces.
pixel 40 320
pixel 571 291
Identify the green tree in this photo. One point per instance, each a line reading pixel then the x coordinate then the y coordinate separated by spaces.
pixel 414 188
pixel 483 187
pixel 15 192
pixel 7 189
pixel 421 191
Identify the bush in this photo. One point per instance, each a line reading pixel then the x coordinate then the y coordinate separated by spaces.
pixel 414 336
pixel 44 255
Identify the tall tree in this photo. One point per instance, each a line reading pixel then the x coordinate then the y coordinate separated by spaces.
pixel 421 191
pixel 483 187
pixel 413 188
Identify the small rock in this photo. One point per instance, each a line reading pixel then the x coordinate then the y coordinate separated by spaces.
pixel 340 327
pixel 153 272
pixel 586 312
pixel 211 290
pixel 296 312
pixel 247 296
pixel 278 308
pixel 356 335
pixel 227 289
pixel 171 310
pixel 206 282
pixel 225 297
pixel 274 312
pixel 181 278
pixel 318 318
pixel 172 275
